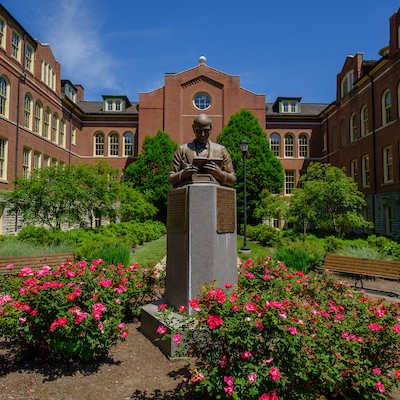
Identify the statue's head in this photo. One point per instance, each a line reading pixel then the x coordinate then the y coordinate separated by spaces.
pixel 202 125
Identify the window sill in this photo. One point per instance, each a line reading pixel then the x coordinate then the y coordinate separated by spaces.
pixel 388 183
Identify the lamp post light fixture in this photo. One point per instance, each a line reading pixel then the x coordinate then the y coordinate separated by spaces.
pixel 244 146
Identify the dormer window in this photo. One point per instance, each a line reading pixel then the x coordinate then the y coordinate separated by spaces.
pixel 289 105
pixel 115 103
pixel 347 84
pixel 69 90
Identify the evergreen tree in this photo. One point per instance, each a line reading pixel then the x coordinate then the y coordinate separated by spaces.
pixel 263 169
pixel 149 174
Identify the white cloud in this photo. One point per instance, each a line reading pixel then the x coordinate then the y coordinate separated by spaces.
pixel 72 29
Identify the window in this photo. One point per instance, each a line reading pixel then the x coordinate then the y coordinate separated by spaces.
pixel 289 182
pixel 62 133
pixel 274 141
pixel 38 118
pixel 70 92
pixel 386 107
pixel 118 105
pixel 289 145
pixel 26 162
pixel 109 105
pixel 387 164
pixel 289 106
pixel 73 135
pixel 303 145
pixel 202 101
pixel 46 161
pixel 343 133
pixel 365 171
pixel 347 83
pixel 48 75
pixel 16 46
pixel 47 117
pixel 388 219
pixel 28 111
pixel 128 144
pixel 37 160
pixel 354 170
pixel 3 158
pixel 99 144
pixel 364 120
pixel 113 144
pixel 54 128
pixel 353 127
pixel 2 33
pixel 29 57
pixel 4 91
pixel 325 141
pixel 335 138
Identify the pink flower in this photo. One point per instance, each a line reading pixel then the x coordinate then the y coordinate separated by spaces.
pixel 161 306
pixel 177 338
pixel 224 361
pixel 194 304
pixel 396 328
pixel 275 374
pixel 97 310
pixel 266 396
pixel 397 372
pixel 374 327
pixel 161 330
pixel 121 325
pixel 106 283
pixel 252 377
pixel 229 390
pixel 292 330
pixel 182 309
pixel 228 380
pixel 244 355
pixel 376 371
pixel 101 328
pixel 379 385
pixel 125 334
pixel 217 294
pixel 228 285
pixel 250 306
pixel 214 321
pixel 26 272
pixel 9 265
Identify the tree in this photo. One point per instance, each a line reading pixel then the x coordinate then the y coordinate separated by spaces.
pixel 264 170
pixel 270 206
pixel 149 174
pixel 328 198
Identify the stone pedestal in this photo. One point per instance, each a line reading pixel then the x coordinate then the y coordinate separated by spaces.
pixel 201 248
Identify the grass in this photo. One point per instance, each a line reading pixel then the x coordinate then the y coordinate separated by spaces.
pixel 9 248
pixel 155 251
pixel 361 251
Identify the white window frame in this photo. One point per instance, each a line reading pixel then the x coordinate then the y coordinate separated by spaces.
pixel 47 123
pixel 4 96
pixel 129 139
pixel 26 162
pixel 365 170
pixel 289 145
pixel 113 144
pixel 275 143
pixel 63 127
pixel 73 135
pixel 16 41
pixel 347 83
pixel 303 145
pixel 46 161
pixel 37 160
pixel 29 57
pixel 387 102
pixel 290 179
pixel 364 120
pixel 3 158
pixel 388 164
pixel 354 170
pixel 3 32
pixel 99 144
pixel 353 127
pixel 38 118
pixel 28 111
pixel 55 127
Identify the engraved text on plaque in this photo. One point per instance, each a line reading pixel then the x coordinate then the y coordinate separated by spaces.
pixel 226 210
pixel 177 210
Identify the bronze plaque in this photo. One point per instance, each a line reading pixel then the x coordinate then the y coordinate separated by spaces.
pixel 177 211
pixel 226 210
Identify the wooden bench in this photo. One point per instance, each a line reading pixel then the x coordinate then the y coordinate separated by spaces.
pixel 362 267
pixel 34 262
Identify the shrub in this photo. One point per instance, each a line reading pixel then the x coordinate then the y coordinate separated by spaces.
pixel 76 311
pixel 35 235
pixel 264 234
pixel 290 336
pixel 386 246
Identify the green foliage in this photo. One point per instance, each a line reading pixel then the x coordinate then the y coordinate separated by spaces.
pixel 328 198
pixel 270 206
pixel 149 174
pixel 290 336
pixel 264 234
pixel 361 252
pixel 263 169
pixel 76 311
pixel 35 235
pixel 386 246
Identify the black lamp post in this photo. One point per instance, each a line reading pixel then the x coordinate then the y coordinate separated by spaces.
pixel 244 146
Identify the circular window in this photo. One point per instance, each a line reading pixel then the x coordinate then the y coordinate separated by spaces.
pixel 202 101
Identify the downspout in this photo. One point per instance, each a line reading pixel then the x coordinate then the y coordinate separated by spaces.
pixel 373 151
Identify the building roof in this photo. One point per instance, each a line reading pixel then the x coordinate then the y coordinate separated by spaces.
pixel 96 107
pixel 307 110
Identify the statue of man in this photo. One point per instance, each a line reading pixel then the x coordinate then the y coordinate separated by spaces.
pixel 184 164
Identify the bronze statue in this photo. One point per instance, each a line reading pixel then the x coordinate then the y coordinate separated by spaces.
pixel 202 156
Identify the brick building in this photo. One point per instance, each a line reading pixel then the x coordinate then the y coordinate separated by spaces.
pixel 45 120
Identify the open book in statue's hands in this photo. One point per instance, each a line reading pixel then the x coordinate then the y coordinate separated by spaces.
pixel 200 162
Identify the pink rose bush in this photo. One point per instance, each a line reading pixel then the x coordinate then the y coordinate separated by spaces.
pixel 287 335
pixel 75 310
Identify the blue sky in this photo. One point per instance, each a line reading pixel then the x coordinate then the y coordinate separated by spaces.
pixel 278 48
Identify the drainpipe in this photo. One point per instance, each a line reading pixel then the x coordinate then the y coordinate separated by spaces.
pixel 373 151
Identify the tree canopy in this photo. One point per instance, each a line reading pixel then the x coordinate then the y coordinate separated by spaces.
pixel 149 174
pixel 328 198
pixel 263 169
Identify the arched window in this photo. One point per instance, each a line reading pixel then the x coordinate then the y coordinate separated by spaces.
pixel 47 120
pixel 38 118
pixel 353 127
pixel 63 126
pixel 128 144
pixel 4 92
pixel 289 145
pixel 54 130
pixel 28 111
pixel 303 145
pixel 386 107
pixel 335 138
pixel 364 120
pixel 113 144
pixel 99 144
pixel 343 133
pixel 275 142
